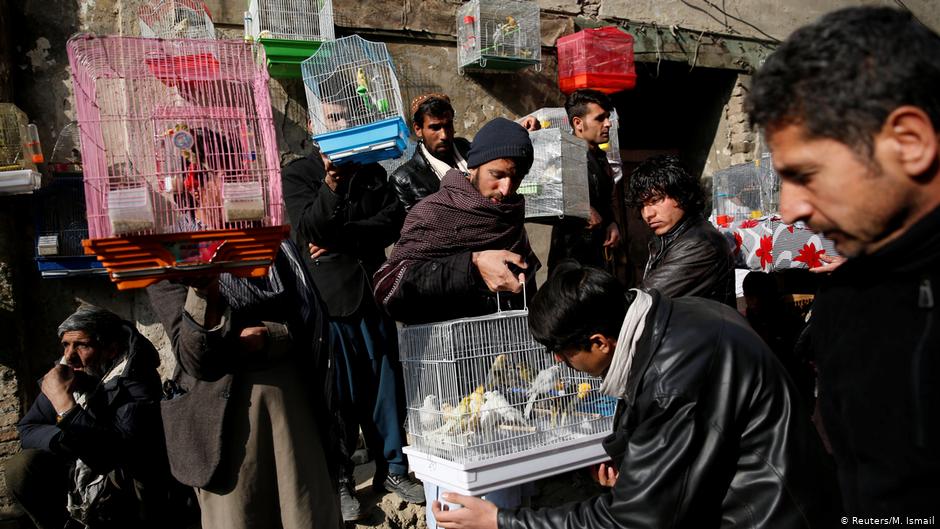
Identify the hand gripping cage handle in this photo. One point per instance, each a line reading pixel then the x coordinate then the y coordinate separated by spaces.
pixel 525 300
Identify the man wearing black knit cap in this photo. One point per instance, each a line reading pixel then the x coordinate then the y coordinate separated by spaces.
pixel 463 243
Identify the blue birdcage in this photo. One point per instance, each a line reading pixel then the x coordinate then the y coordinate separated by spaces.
pixel 354 101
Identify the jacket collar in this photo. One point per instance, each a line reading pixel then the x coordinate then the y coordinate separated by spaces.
pixel 649 342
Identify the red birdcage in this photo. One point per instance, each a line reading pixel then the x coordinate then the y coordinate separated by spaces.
pixel 601 59
pixel 180 159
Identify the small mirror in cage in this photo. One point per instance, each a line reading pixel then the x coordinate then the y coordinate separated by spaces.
pixel 289 30
pixel 482 394
pixel 557 184
pixel 20 151
pixel 175 19
pixel 498 35
pixel 354 101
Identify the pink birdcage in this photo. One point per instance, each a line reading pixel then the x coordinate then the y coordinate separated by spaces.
pixel 180 158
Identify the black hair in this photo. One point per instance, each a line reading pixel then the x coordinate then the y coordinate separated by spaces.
pixel 432 106
pixel 577 302
pixel 664 176
pixel 840 77
pixel 760 285
pixel 577 103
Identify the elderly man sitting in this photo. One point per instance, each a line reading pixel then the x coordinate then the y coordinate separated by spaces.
pixel 93 446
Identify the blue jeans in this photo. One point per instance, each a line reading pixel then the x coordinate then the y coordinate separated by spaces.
pixel 371 387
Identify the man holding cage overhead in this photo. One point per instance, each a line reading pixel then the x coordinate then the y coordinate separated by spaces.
pixel 345 216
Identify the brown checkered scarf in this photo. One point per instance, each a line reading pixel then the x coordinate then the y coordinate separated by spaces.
pixel 456 219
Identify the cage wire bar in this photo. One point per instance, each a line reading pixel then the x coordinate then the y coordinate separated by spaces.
pixel 354 101
pixel 557 183
pixel 289 30
pixel 550 117
pixel 176 137
pixel 600 59
pixel 481 388
pixel 19 152
pixel 498 35
pixel 175 19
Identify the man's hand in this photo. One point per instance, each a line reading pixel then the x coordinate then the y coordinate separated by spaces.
pixel 493 268
pixel 57 387
pixel 613 235
pixel 253 339
pixel 530 123
pixel 475 514
pixel 832 262
pixel 316 251
pixel 605 474
pixel 594 220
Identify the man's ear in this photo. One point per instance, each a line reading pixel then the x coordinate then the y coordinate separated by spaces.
pixel 912 134
pixel 577 123
pixel 602 344
pixel 417 130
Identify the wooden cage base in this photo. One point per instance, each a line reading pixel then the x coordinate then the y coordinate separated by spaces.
pixel 136 261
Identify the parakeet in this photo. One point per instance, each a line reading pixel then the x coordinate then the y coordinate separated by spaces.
pixel 497 410
pixel 567 405
pixel 503 374
pixel 362 84
pixel 430 414
pixel 548 379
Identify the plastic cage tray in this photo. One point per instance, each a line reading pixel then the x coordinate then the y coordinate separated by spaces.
pixel 138 261
pixel 369 143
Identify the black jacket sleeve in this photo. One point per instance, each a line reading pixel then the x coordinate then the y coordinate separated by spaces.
pixel 413 291
pixel 315 211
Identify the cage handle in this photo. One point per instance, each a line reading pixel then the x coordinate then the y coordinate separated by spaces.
pixel 525 300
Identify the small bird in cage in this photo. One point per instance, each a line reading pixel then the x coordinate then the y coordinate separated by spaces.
pixel 430 413
pixel 496 410
pixel 547 381
pixel 504 374
pixel 566 406
pixel 373 103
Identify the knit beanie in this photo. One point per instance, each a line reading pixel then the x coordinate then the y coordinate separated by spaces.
pixel 501 138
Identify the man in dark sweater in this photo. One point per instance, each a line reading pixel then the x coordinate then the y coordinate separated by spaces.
pixel 850 110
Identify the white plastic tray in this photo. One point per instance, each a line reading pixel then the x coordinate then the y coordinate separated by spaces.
pixel 478 478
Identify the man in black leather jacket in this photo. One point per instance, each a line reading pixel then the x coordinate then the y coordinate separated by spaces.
pixel 708 432
pixel 574 238
pixel 346 216
pixel 438 150
pixel 850 110
pixel 688 257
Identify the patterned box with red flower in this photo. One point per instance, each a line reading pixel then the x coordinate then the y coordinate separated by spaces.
pixel 767 244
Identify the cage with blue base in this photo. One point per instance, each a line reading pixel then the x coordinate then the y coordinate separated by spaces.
pixel 354 101
pixel 60 218
pixel 289 30
pixel 498 35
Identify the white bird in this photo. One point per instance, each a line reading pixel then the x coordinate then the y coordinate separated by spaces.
pixel 496 409
pixel 547 380
pixel 430 413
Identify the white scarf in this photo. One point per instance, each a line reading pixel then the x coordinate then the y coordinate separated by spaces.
pixel 615 381
pixel 439 167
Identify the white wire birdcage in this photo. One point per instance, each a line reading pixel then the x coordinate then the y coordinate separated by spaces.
pixel 175 19
pixel 481 388
pixel 739 192
pixel 177 138
pixel 557 183
pixel 498 35
pixel 354 101
pixel 13 138
pixel 557 117
pixel 309 20
pixel 19 152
